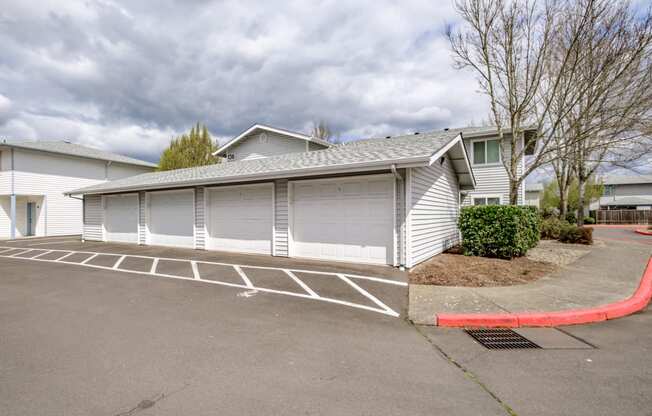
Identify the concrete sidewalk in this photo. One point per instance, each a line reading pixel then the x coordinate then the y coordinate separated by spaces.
pixel 609 273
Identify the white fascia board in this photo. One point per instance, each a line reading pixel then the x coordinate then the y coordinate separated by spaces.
pixel 458 140
pixel 270 129
pixel 351 168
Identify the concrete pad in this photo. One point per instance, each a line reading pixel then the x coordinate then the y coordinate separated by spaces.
pixel 137 264
pixel 551 338
pixel 105 260
pixel 425 301
pixel 273 279
pixel 175 268
pixel 219 273
pixel 330 286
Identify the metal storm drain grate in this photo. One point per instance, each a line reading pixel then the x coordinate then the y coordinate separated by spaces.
pixel 500 339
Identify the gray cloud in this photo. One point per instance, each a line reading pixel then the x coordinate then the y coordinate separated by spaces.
pixel 126 76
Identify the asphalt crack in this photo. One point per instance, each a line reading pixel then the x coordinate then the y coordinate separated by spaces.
pixel 467 373
pixel 149 402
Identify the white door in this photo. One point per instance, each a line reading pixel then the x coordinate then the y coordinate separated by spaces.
pixel 345 219
pixel 240 218
pixel 171 218
pixel 121 218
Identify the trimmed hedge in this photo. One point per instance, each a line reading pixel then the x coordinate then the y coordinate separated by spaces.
pixel 502 231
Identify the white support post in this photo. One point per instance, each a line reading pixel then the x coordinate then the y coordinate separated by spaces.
pixel 12 214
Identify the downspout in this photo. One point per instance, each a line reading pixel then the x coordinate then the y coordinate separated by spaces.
pixel 401 234
pixel 12 212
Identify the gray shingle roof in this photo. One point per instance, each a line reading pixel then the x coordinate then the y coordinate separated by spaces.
pixel 400 149
pixel 626 179
pixel 66 148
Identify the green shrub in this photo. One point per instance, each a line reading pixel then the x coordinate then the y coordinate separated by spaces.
pixel 502 231
pixel 589 220
pixel 551 228
pixel 571 218
pixel 573 234
pixel 547 212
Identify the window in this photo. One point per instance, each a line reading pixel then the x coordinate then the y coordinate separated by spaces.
pixel 262 138
pixel 486 152
pixel 230 156
pixel 609 190
pixel 486 200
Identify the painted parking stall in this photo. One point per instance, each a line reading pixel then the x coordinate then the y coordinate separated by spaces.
pixel 336 288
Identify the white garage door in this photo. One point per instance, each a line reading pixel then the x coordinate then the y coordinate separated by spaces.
pixel 171 218
pixel 345 219
pixel 121 218
pixel 240 218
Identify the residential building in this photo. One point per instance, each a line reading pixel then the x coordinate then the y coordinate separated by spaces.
pixel 625 192
pixel 392 200
pixel 533 194
pixel 483 147
pixel 384 201
pixel 35 175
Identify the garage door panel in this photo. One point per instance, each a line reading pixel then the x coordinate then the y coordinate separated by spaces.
pixel 349 219
pixel 240 219
pixel 121 218
pixel 171 219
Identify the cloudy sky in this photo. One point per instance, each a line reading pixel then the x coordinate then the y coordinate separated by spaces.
pixel 127 76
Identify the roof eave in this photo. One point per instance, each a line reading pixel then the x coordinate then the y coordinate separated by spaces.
pixel 313 171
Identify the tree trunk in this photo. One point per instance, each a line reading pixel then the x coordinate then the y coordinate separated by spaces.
pixel 563 204
pixel 580 202
pixel 513 192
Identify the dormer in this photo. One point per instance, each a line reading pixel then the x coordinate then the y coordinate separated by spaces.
pixel 260 141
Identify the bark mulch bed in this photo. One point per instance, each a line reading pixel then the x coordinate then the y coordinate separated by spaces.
pixel 454 269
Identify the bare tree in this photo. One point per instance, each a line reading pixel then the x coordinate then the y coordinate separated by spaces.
pixel 510 44
pixel 320 130
pixel 610 122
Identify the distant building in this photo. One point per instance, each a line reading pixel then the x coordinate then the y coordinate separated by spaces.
pixel 625 192
pixel 533 194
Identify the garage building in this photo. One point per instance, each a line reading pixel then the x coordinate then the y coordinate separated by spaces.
pixel 388 201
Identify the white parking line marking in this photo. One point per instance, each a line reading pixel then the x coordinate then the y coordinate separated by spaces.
pixel 244 276
pixel 368 295
pixel 301 283
pixel 67 255
pixel 90 258
pixel 54 242
pixel 195 269
pixel 21 252
pixel 42 254
pixel 311 294
pixel 119 262
pixel 154 266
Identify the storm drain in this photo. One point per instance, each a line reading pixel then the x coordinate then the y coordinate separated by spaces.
pixel 500 339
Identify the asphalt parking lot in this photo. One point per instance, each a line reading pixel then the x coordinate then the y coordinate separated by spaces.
pixel 80 340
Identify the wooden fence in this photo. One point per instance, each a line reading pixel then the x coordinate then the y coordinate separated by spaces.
pixel 623 216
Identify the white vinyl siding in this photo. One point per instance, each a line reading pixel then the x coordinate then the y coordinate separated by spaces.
pixel 400 226
pixel 492 179
pixel 281 207
pixel 93 218
pixel 251 147
pixel 142 215
pixel 44 178
pixel 200 222
pixel 433 211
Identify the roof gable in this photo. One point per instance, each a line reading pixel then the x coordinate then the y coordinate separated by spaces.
pixel 262 127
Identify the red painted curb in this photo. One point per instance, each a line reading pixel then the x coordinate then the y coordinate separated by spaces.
pixel 643 232
pixel 638 301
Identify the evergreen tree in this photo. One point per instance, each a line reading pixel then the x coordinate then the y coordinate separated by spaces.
pixel 193 149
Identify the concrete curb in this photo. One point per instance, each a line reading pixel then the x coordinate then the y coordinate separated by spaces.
pixel 643 232
pixel 638 301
